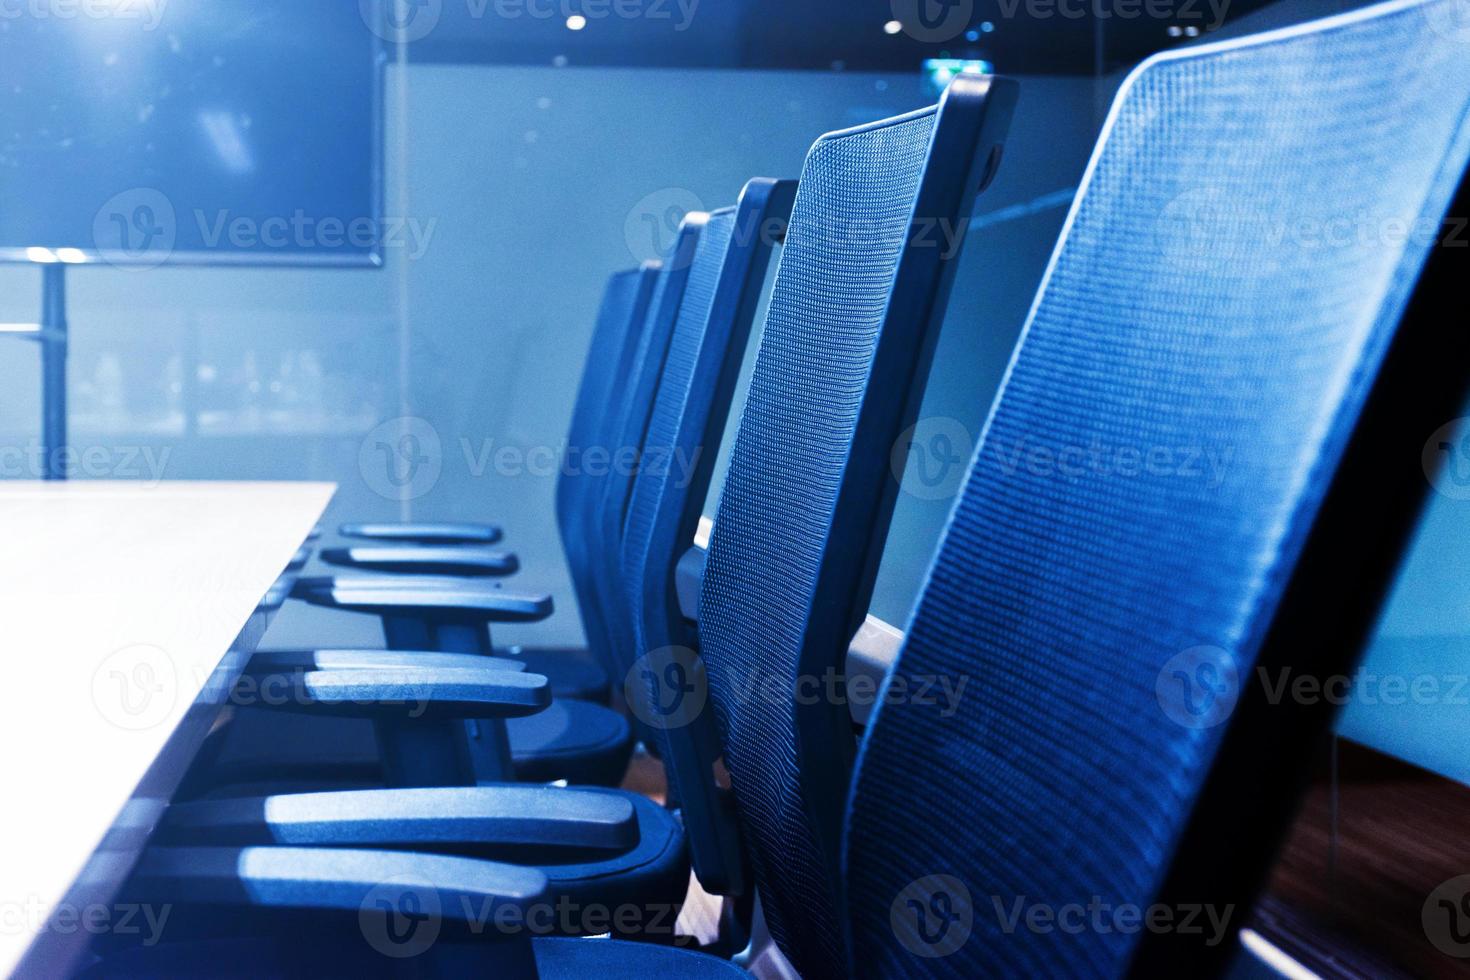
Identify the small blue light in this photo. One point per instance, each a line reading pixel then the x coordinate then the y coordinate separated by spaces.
pixel 972 36
pixel 939 72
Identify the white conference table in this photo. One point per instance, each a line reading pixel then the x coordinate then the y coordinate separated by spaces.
pixel 126 613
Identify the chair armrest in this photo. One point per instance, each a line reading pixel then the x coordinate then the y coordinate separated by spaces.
pixel 328 879
pixel 455 693
pixel 425 533
pixel 423 560
pixel 279 661
pixel 430 817
pixel 427 596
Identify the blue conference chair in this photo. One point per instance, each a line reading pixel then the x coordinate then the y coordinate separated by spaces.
pixel 573 740
pixel 547 740
pixel 622 319
pixel 1174 316
pixel 725 273
pixel 848 176
pixel 1075 766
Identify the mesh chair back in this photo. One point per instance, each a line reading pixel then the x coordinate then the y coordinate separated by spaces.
pixel 1200 351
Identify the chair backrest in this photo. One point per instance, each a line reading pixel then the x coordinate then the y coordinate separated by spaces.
pixel 629 411
pixel 1151 483
pixel 607 398
pixel 621 321
pixel 680 452
pixel 842 362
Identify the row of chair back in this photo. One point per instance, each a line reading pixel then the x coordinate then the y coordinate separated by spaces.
pixel 1071 602
pixel 1099 624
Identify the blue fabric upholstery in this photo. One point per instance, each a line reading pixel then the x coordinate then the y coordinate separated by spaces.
pixel 675 312
pixel 1186 313
pixel 688 426
pixel 846 234
pixel 600 401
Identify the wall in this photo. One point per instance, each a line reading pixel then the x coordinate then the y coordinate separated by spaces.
pixel 527 187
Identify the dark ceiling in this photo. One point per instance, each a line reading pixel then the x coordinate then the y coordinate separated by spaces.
pixel 1082 37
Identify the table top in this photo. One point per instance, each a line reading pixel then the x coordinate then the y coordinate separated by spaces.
pixel 126 612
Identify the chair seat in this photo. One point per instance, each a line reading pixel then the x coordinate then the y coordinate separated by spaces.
pixel 278 959
pixel 585 744
pixel 573 671
pixel 573 740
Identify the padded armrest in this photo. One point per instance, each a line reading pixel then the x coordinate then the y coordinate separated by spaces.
pixel 425 533
pixel 277 661
pixel 426 596
pixel 423 560
pixel 329 879
pixel 456 693
pixel 439 817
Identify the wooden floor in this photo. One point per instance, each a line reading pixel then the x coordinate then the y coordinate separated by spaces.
pixel 1400 832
